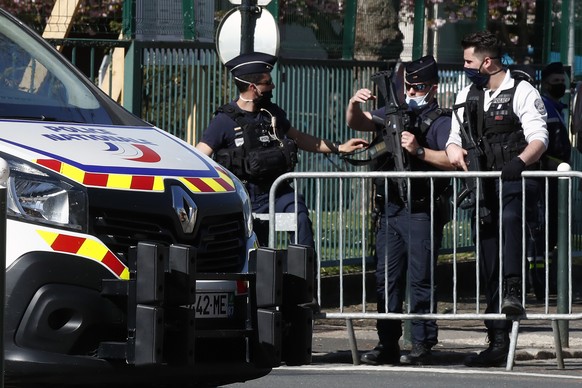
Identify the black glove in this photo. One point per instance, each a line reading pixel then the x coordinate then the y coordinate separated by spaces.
pixel 512 170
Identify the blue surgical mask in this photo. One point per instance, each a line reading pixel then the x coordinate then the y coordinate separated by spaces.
pixel 416 102
pixel 479 79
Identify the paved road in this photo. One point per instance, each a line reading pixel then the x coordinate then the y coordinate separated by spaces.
pixel 330 376
pixel 332 365
pixel 535 362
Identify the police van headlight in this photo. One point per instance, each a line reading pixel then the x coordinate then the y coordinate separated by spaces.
pixel 37 196
pixel 246 203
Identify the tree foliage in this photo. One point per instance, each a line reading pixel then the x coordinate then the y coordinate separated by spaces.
pixel 377 33
pixel 305 9
pixel 514 21
pixel 504 11
pixel 323 17
pixel 93 17
pixel 377 25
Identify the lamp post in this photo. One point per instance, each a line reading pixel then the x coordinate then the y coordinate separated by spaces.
pixel 248 12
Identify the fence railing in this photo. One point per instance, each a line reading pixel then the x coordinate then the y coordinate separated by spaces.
pixel 561 310
pixel 352 225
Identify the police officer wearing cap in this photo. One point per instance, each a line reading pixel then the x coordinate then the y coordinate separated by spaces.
pixel 553 89
pixel 508 120
pixel 252 137
pixel 407 240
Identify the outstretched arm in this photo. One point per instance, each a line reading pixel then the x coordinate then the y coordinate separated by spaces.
pixel 312 143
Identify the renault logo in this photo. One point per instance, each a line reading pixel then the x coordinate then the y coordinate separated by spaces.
pixel 185 209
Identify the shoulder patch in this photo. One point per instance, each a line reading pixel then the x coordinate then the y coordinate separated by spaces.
pixel 540 106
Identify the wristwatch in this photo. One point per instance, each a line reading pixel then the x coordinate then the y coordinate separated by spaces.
pixel 419 152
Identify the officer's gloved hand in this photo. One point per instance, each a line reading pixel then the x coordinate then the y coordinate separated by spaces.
pixel 512 170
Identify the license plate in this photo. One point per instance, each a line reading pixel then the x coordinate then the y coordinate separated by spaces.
pixel 214 305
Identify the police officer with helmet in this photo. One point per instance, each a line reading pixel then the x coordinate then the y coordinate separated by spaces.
pixel 507 118
pixel 252 137
pixel 408 236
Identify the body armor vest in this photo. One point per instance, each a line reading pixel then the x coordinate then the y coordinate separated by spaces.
pixel 259 155
pixel 419 188
pixel 498 131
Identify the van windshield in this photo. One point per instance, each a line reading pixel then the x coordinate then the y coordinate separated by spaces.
pixel 36 84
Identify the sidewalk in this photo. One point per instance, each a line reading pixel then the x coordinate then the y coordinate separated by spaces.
pixel 457 340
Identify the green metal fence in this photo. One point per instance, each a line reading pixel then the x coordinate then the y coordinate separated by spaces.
pixel 183 86
pixel 181 89
pixel 183 83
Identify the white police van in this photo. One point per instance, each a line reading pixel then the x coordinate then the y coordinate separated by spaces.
pixel 126 249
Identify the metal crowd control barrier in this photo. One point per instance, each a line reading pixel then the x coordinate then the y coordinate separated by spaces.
pixel 559 315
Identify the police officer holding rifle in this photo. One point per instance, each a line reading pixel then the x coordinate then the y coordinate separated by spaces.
pixel 411 137
pixel 506 119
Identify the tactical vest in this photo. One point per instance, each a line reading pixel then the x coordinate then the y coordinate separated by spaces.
pixel 259 155
pixel 498 131
pixel 420 188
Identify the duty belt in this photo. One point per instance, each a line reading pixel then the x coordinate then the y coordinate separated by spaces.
pixel 416 205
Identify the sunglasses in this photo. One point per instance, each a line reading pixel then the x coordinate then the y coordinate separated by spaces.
pixel 417 87
pixel 268 83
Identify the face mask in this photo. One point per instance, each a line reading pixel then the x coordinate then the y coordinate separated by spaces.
pixel 557 91
pixel 479 79
pixel 417 101
pixel 263 99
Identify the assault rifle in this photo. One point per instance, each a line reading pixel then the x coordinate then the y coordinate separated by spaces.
pixel 397 120
pixel 468 197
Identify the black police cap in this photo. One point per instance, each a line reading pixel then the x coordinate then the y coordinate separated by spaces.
pixel 422 70
pixel 251 63
pixel 553 68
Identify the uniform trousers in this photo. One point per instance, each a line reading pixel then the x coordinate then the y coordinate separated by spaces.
pixel 511 238
pixel 284 203
pixel 404 250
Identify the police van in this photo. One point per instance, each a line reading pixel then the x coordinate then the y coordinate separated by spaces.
pixel 127 251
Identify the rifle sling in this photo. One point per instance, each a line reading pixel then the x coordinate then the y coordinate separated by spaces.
pixel 480 113
pixel 481 123
pixel 375 149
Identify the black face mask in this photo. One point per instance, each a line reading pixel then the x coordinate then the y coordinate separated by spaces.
pixel 557 91
pixel 264 99
pixel 479 79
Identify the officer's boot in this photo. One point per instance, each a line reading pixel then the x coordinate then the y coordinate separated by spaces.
pixel 420 354
pixel 382 354
pixel 495 354
pixel 511 304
